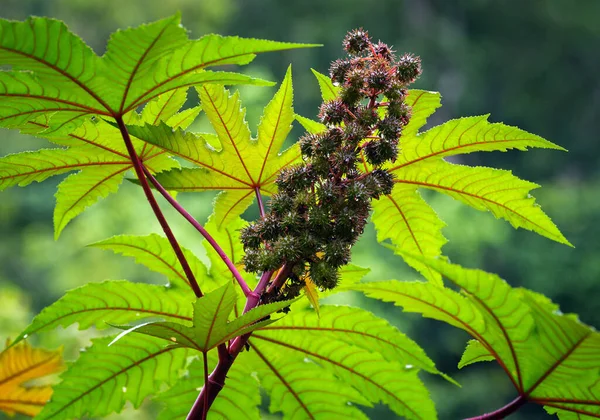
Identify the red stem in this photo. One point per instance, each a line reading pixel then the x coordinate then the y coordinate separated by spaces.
pixel 205 411
pixel 139 171
pixel 261 208
pixel 202 231
pixel 216 380
pixel 503 412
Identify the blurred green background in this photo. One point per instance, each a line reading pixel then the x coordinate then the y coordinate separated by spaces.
pixel 530 63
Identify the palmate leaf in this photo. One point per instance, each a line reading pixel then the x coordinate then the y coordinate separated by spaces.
pixel 105 377
pixel 356 327
pixel 552 359
pixel 56 84
pixel 140 64
pixel 300 387
pixel 97 151
pixel 239 399
pixel 410 224
pixel 228 237
pixel 328 91
pixel 155 252
pixel 406 220
pixel 20 364
pixel 495 190
pixel 243 167
pixel 210 326
pixel 368 372
pixel 117 302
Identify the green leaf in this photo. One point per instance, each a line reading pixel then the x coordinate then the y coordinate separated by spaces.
pixel 81 190
pixel 552 359
pixel 498 191
pixel 117 302
pixel 423 104
pixel 63 66
pixel 428 299
pixel 239 399
pixel 355 327
pixel 72 83
pixel 184 66
pixel 105 377
pixel 97 151
pixel 475 352
pixel 411 225
pixel 210 326
pixel 310 125
pixel 329 92
pixel 21 169
pixel 243 167
pixel 129 70
pixel 375 378
pixel 155 252
pixel 466 135
pixel 301 388
pixel 228 237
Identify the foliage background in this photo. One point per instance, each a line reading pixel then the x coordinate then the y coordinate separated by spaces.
pixel 532 63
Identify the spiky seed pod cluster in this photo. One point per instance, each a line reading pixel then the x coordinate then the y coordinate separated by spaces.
pixel 323 204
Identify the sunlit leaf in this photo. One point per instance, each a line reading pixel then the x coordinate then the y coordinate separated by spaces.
pixel 210 326
pixel 155 252
pixel 20 364
pixel 552 359
pixel 243 167
pixel 105 377
pixel 367 372
pixel 239 399
pixel 116 302
pixel 329 92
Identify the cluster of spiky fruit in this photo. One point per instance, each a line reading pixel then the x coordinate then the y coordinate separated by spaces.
pixel 323 204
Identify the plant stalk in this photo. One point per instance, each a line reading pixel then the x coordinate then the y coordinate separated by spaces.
pixel 216 380
pixel 200 229
pixel 503 412
pixel 139 171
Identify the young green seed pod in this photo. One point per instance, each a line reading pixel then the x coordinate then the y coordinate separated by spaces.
pixel 324 275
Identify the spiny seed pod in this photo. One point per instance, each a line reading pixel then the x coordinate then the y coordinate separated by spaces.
pixel 250 237
pixel 399 110
pixel 396 93
pixel 350 96
pixel 355 78
pixel 385 180
pixel 288 248
pixel 268 228
pixel 408 68
pixel 338 71
pixel 379 80
pixel 280 204
pixel 306 144
pixel 383 51
pixel 333 112
pixel 367 117
pixel 323 204
pixel 324 275
pixel 390 127
pixel 337 253
pixel 357 42
pixel 354 133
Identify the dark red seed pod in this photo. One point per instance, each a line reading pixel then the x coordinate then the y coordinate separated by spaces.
pixel 357 42
pixel 408 68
